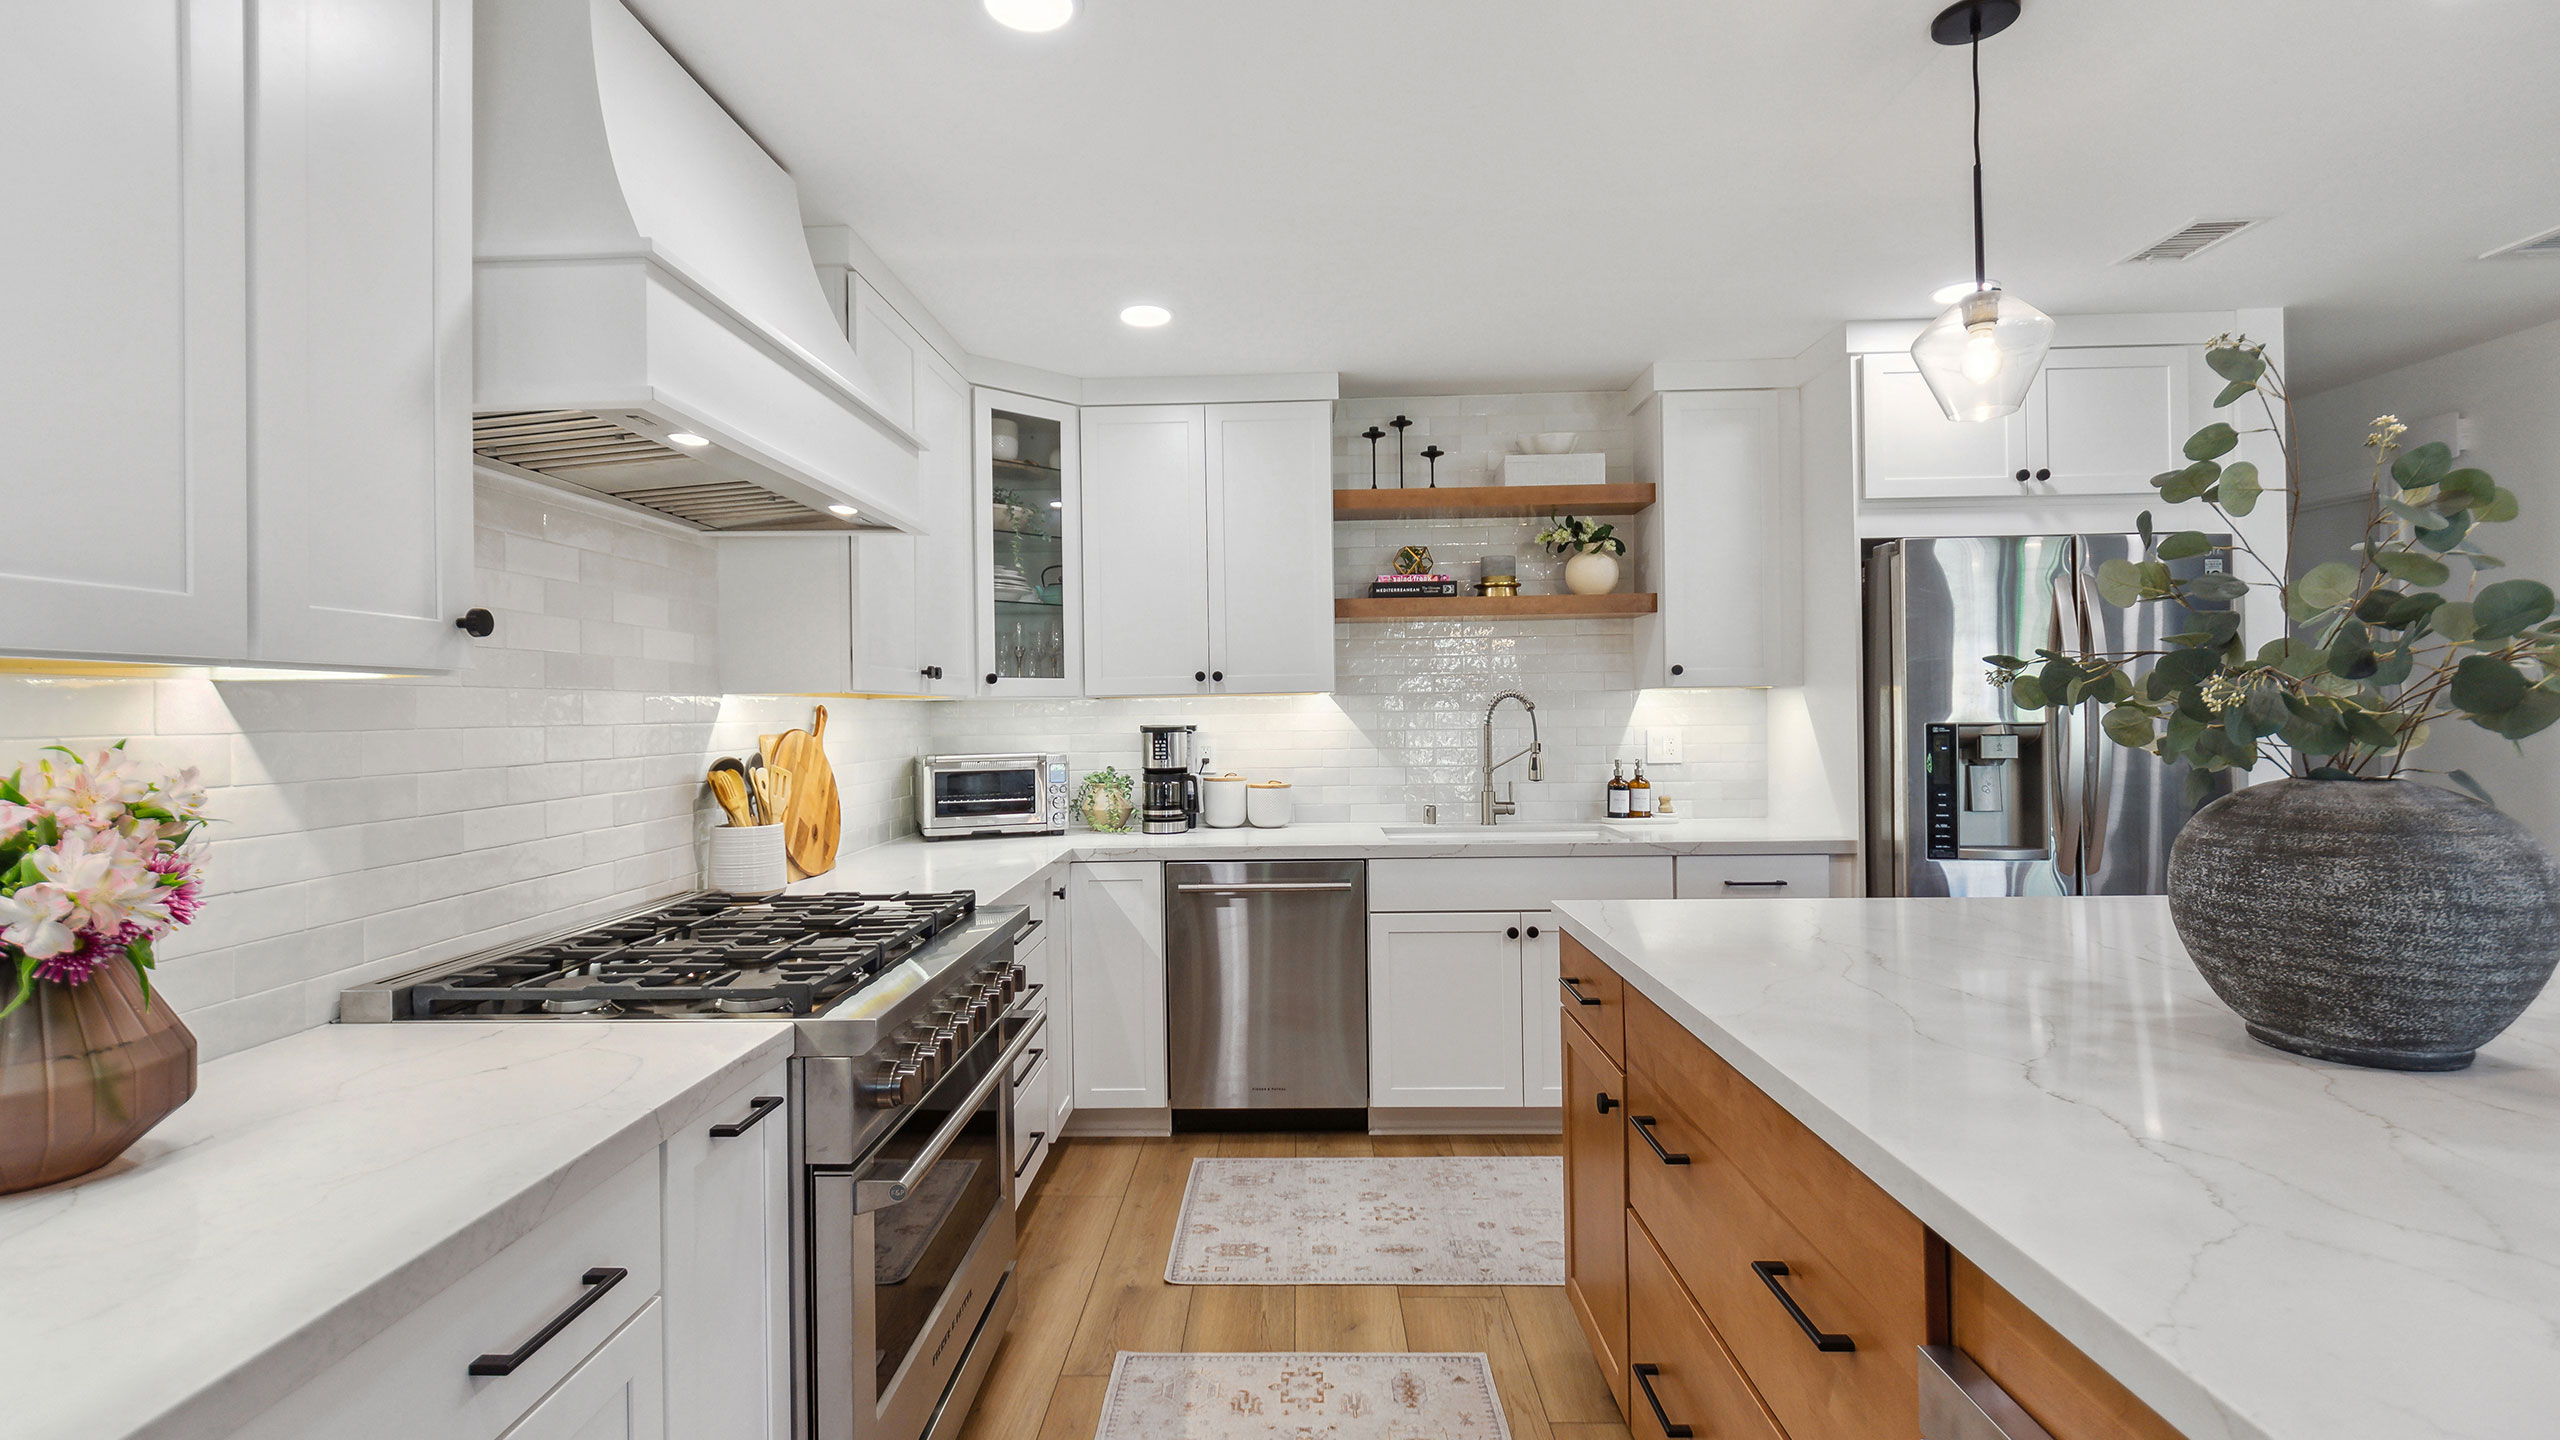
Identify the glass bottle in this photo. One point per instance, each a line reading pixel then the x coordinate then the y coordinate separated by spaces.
pixel 1617 789
pixel 1639 796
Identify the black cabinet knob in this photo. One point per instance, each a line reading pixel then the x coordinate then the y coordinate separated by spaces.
pixel 1606 1104
pixel 1199 674
pixel 2022 477
pixel 1513 932
pixel 2044 474
pixel 991 677
pixel 476 623
pixel 1533 932
pixel 1218 675
pixel 1058 894
pixel 1679 669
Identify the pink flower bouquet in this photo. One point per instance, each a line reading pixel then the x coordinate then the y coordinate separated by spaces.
pixel 99 858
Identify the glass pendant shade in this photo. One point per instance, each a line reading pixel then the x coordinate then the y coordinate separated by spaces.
pixel 1982 354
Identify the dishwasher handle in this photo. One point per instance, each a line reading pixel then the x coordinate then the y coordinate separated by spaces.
pixel 1237 887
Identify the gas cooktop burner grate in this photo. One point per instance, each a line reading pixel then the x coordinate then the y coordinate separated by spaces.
pixel 709 954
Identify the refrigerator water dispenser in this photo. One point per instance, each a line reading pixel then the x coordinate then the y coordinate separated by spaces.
pixel 1986 793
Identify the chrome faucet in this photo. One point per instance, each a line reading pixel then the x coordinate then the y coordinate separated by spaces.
pixel 1487 807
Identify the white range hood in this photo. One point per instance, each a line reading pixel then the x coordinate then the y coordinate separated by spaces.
pixel 641 273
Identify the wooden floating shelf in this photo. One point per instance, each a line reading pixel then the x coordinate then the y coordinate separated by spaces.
pixel 1463 501
pixel 1493 607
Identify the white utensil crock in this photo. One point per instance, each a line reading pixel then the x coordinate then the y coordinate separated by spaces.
pixel 748 859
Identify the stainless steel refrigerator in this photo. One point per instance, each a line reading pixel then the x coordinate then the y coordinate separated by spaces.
pixel 1966 793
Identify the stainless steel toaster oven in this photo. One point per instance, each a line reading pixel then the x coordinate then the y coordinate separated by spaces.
pixel 962 795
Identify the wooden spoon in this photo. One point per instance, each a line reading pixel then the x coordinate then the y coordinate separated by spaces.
pixel 728 781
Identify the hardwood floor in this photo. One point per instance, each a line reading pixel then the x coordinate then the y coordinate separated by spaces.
pixel 1095 1232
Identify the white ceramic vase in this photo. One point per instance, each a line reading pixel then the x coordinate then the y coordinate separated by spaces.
pixel 1595 573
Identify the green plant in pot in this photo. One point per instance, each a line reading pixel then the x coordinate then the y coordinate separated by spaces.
pixel 1107 800
pixel 2345 911
pixel 1593 548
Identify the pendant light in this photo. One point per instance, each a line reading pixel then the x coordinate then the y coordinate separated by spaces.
pixel 1982 354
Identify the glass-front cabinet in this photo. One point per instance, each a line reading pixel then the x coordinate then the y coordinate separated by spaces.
pixel 1029 626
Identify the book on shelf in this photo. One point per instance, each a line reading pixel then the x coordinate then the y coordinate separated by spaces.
pixel 1413 585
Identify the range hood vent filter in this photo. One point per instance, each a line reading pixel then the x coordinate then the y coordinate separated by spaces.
pixel 2198 237
pixel 602 456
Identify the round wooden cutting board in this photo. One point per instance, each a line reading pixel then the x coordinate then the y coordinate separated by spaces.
pixel 813 819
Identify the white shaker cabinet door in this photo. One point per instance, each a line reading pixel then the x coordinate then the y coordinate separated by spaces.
pixel 123 378
pixel 1270 489
pixel 1118 967
pixel 1444 1009
pixel 885 658
pixel 1541 1042
pixel 944 585
pixel 728 1267
pixel 360 296
pixel 2110 417
pixel 619 1394
pixel 1909 450
pixel 1722 538
pixel 1146 551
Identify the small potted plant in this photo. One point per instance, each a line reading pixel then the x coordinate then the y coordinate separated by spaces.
pixel 1594 548
pixel 1107 800
pixel 99 859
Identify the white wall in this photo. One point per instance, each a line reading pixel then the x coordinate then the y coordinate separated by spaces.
pixel 365 827
pixel 2509 389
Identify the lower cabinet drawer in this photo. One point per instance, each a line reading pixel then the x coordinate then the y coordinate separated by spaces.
pixel 1595 1201
pixel 1594 996
pixel 1679 1372
pixel 2061 1389
pixel 1753 877
pixel 415 1378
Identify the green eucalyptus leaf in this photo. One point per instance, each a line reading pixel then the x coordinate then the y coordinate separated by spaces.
pixel 2236 363
pixel 2233 391
pixel 2156 579
pixel 2511 607
pixel 2327 586
pixel 2267 709
pixel 2471 787
pixel 2483 562
pixel 2217 585
pixel 2351 651
pixel 2315 737
pixel 2497 509
pixel 2128 727
pixel 2487 685
pixel 2452 532
pixel 2005 662
pixel 2196 789
pixel 2214 629
pixel 2240 489
pixel 2377 603
pixel 2142 523
pixel 2191 482
pixel 2184 545
pixel 2532 714
pixel 2454 621
pixel 2119 582
pixel 2214 439
pixel 2392 664
pixel 2410 611
pixel 2026 694
pixel 2418 516
pixel 2367 728
pixel 2291 655
pixel 2463 489
pixel 2422 467
pixel 2413 567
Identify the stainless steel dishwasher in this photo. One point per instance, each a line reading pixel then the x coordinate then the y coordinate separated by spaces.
pixel 1267 987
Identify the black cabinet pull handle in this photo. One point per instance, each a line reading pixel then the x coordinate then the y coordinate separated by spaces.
pixel 1769 1271
pixel 1607 1104
pixel 1755 884
pixel 1512 934
pixel 1218 675
pixel 477 623
pixel 1644 1126
pixel 757 1109
pixel 1030 1153
pixel 1644 1380
pixel 597 1281
pixel 1679 669
pixel 1569 982
pixel 1030 1062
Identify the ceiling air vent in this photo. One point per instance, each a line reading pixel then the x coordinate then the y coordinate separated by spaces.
pixel 2197 237
pixel 2546 243
pixel 603 456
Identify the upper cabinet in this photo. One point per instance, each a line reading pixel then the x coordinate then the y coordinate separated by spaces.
pixel 1720 543
pixel 1209 549
pixel 946 629
pixel 1028 603
pixel 239 283
pixel 2099 420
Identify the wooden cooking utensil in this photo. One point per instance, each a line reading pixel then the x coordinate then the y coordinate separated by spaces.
pixel 813 816
pixel 728 781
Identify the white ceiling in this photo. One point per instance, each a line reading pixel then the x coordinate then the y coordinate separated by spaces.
pixel 1452 195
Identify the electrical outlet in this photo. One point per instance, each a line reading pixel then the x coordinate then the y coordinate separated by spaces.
pixel 1662 747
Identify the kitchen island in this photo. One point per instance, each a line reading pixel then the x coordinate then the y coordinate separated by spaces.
pixel 2253 1243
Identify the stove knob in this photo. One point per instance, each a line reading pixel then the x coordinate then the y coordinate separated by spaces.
pixel 896 1084
pixel 981 1012
pixel 946 1047
pixel 1018 976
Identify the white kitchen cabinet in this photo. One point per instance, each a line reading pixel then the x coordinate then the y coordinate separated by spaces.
pixel 1719 544
pixel 360 325
pixel 2098 420
pixel 1753 877
pixel 888 347
pixel 832 613
pixel 617 1394
pixel 1028 528
pixel 1444 1009
pixel 1117 970
pixel 945 648
pixel 1210 538
pixel 1541 1041
pixel 728 1267
pixel 124 379
pixel 1146 578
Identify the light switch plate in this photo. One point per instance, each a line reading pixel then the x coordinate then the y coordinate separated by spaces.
pixel 1662 747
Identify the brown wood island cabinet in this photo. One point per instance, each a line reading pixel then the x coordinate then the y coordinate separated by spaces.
pixel 1737 1277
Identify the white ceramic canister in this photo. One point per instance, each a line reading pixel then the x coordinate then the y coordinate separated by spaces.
pixel 1004 437
pixel 1222 801
pixel 748 859
pixel 1266 803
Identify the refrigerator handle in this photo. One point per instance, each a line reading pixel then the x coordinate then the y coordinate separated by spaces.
pixel 2093 766
pixel 2062 735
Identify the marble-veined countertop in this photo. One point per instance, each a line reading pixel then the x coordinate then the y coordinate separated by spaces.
pixel 2257 1244
pixel 316 1190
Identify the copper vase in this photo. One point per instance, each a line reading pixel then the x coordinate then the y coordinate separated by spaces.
pixel 85 1070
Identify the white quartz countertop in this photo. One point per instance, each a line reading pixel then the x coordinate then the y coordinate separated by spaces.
pixel 314 1191
pixel 993 866
pixel 2255 1243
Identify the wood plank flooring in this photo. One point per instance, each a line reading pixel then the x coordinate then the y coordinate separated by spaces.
pixel 1095 1232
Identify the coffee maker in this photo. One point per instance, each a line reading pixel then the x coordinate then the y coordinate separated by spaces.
pixel 1168 793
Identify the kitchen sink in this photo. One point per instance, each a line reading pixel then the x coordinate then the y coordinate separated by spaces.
pixel 1508 834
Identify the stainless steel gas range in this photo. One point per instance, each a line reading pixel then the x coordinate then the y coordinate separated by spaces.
pixel 911 1018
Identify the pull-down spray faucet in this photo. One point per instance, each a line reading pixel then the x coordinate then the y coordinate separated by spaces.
pixel 1487 806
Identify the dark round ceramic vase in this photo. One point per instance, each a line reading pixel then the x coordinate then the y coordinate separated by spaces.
pixel 2375 922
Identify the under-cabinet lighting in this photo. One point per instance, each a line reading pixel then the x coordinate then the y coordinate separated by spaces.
pixel 1145 317
pixel 846 511
pixel 1035 16
pixel 687 439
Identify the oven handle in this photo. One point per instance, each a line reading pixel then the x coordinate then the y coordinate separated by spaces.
pixel 1232 887
pixel 870 1195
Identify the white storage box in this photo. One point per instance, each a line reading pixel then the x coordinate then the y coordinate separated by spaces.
pixel 1588 468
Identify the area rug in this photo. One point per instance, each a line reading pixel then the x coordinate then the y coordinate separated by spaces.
pixel 1439 1220
pixel 900 1233
pixel 1300 1397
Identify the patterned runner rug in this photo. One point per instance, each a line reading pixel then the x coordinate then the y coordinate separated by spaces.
pixel 1442 1220
pixel 1289 1397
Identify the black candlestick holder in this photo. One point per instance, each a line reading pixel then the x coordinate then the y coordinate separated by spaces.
pixel 1373 435
pixel 1401 425
pixel 1433 453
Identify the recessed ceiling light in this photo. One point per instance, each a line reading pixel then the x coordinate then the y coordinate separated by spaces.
pixel 1950 294
pixel 1036 16
pixel 1145 317
pixel 844 510
pixel 687 439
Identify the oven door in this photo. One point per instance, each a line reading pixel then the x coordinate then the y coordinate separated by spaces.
pixel 969 797
pixel 910 1251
